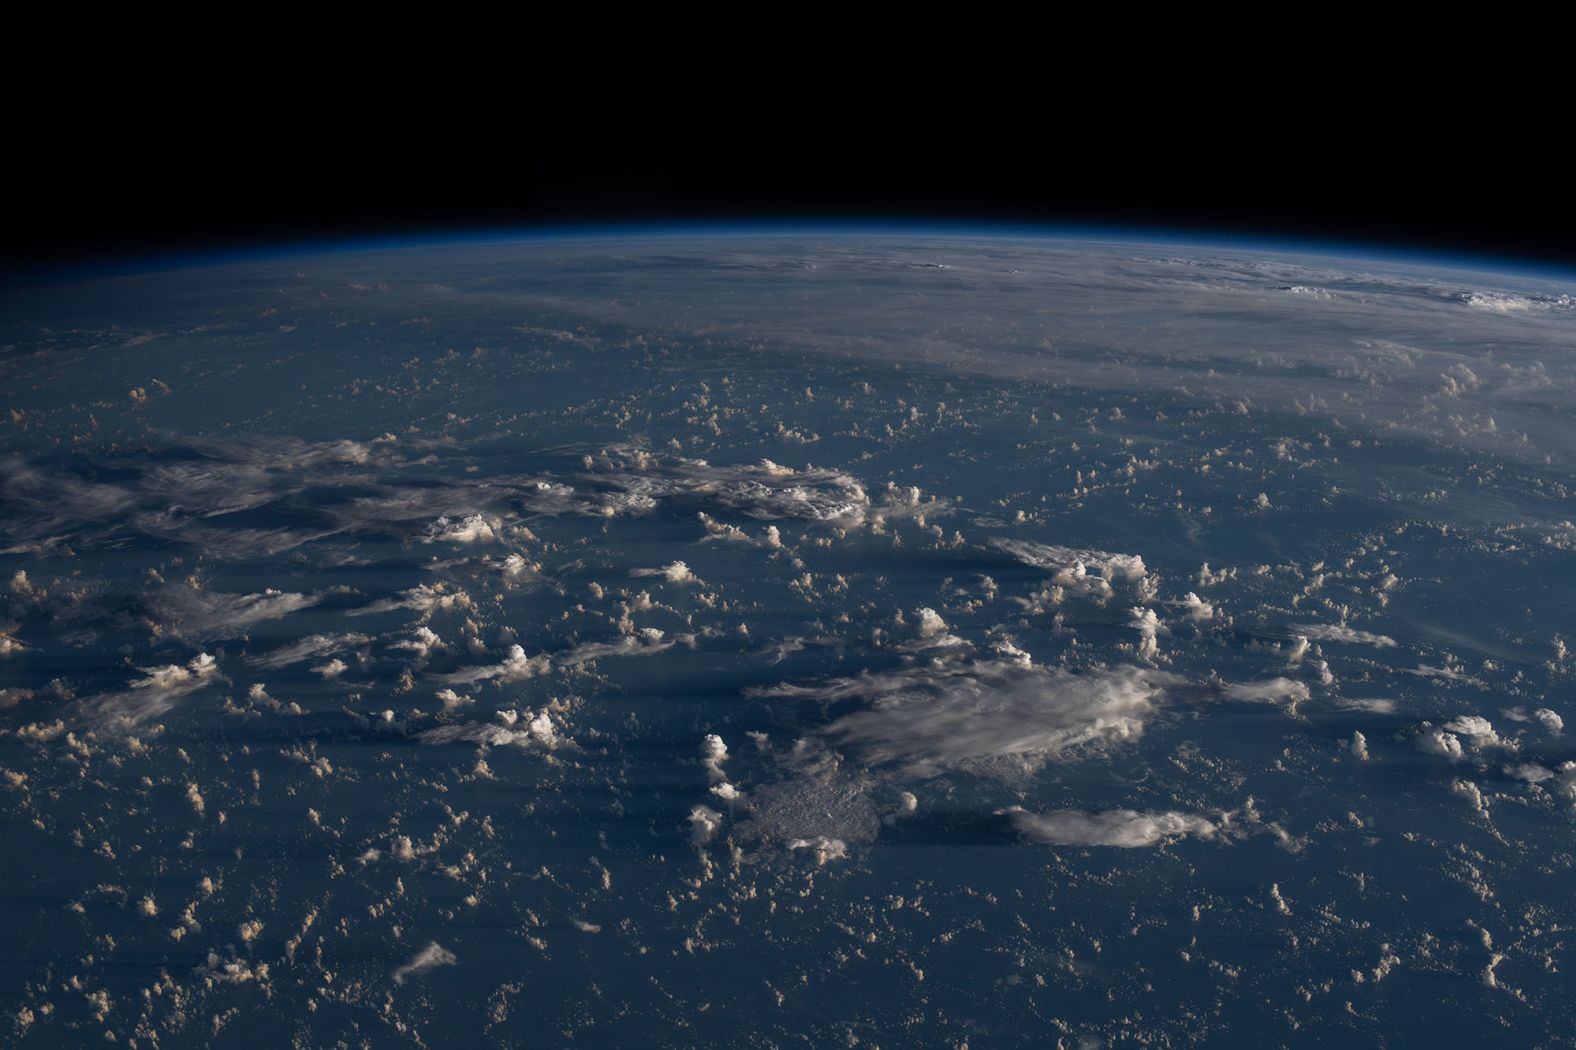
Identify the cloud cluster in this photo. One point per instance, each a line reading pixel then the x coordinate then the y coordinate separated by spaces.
pixel 647 641
pixel 630 480
pixel 1124 828
pixel 194 494
pixel 1432 740
pixel 152 695
pixel 1340 632
pixel 514 667
pixel 525 730
pixel 1283 692
pixel 972 716
pixel 1082 572
pixel 189 493
pixel 1056 559
pixel 311 647
pixel 473 528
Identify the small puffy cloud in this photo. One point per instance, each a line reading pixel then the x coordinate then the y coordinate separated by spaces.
pixel 713 753
pixel 172 675
pixel 1432 740
pixel 930 623
pixel 1197 609
pixel 431 957
pixel 1476 728
pixel 9 645
pixel 515 567
pixel 219 969
pixel 423 641
pixel 721 530
pixel 704 823
pixel 543 729
pixel 452 700
pixel 332 669
pixel 1277 900
pixel 1472 793
pixel 475 528
pixel 1549 720
pixel 1012 654
pixel 1149 627
pixel 673 572
pixel 824 849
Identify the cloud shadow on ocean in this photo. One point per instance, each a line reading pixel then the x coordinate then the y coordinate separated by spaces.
pixel 951 827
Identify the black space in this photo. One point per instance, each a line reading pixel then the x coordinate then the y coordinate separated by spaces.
pixel 131 137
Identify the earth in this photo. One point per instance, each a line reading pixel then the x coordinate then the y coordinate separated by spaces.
pixel 879 639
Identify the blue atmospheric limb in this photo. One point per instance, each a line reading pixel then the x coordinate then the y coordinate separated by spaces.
pixel 405 241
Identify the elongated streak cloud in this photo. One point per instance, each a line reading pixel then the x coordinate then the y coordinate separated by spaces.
pixel 431 957
pixel 1123 828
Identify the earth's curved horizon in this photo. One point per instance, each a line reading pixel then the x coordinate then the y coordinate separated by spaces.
pixel 133 261
pixel 858 637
